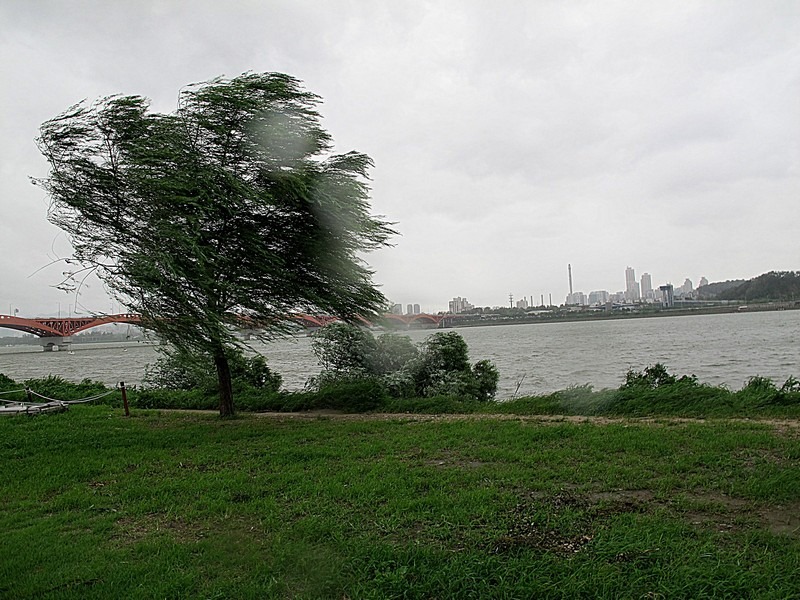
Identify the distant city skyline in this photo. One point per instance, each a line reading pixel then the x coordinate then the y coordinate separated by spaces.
pixel 632 291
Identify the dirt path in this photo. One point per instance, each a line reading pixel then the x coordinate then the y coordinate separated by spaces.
pixel 545 419
pixel 782 425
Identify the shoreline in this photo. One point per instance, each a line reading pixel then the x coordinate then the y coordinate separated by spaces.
pixel 598 316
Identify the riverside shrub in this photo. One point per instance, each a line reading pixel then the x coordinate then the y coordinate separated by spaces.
pixel 439 366
pixel 180 370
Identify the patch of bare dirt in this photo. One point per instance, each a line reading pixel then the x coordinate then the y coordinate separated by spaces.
pixel 449 459
pixel 724 514
pixel 131 530
pixel 782 519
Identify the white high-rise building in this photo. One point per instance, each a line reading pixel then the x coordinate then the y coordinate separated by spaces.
pixel 598 297
pixel 631 286
pixel 576 298
pixel 647 287
pixel 458 305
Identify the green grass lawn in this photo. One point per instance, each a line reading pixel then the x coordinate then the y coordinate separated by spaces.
pixel 176 505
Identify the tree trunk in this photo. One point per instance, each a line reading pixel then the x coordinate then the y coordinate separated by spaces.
pixel 225 385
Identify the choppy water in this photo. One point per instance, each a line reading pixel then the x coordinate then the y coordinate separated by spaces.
pixel 719 349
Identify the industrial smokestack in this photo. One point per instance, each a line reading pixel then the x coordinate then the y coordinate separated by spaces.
pixel 569 268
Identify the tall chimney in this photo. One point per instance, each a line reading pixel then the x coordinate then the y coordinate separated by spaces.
pixel 569 268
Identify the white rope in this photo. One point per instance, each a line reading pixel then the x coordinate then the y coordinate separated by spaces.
pixel 87 399
pixel 12 391
pixel 43 397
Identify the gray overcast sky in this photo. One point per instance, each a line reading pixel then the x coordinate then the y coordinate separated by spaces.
pixel 509 138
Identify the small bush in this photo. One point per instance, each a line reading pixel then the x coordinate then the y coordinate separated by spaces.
pixel 652 377
pixel 762 392
pixel 656 391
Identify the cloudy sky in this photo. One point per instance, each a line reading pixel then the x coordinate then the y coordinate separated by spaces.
pixel 510 138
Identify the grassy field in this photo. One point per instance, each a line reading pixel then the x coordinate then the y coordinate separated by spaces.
pixel 179 505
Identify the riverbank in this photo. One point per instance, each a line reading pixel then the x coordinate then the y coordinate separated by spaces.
pixel 186 505
pixel 600 315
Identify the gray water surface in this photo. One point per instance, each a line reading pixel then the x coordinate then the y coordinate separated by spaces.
pixel 723 349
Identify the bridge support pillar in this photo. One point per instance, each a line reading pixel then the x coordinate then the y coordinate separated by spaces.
pixel 51 343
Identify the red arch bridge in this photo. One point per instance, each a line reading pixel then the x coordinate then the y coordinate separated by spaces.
pixel 57 332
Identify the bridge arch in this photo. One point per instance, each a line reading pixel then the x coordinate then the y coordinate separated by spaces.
pixel 44 327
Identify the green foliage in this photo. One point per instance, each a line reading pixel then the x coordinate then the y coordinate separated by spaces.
pixel 358 395
pixel 775 285
pixel 762 392
pixel 7 384
pixel 177 369
pixel 484 377
pixel 440 367
pixel 232 207
pixel 183 380
pixel 652 377
pixel 345 350
pixel 392 353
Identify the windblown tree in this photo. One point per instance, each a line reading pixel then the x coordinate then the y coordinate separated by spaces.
pixel 233 208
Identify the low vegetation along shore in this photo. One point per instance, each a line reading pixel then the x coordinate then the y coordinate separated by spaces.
pixel 653 392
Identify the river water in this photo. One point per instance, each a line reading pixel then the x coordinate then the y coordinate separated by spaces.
pixel 537 358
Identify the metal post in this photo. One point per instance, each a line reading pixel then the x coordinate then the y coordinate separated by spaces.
pixel 124 398
pixel 29 393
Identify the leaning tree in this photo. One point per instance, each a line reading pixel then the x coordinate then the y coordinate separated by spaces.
pixel 233 208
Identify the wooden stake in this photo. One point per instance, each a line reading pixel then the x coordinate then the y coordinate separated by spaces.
pixel 124 398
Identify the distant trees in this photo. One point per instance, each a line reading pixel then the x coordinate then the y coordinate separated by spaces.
pixel 775 285
pixel 233 207
pixel 713 290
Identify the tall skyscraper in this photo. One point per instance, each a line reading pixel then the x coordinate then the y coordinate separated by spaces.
pixel 631 287
pixel 667 295
pixel 647 286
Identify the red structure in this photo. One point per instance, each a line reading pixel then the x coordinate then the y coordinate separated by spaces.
pixel 314 320
pixel 51 327
pixel 61 328
pixel 411 320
